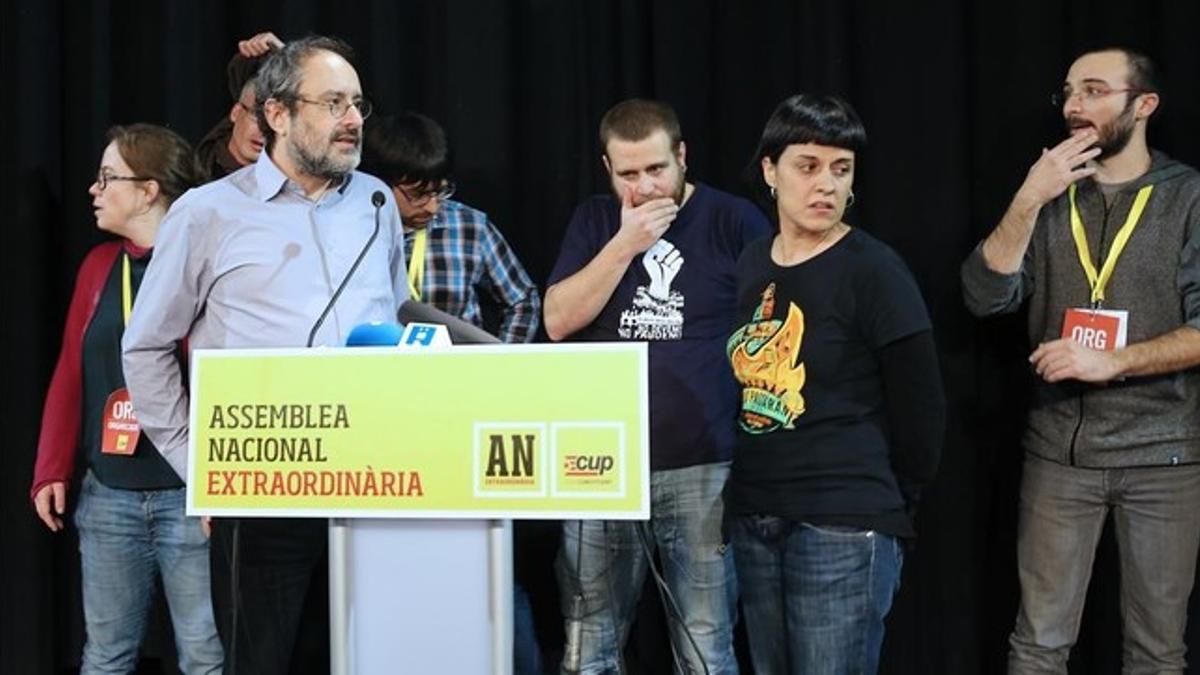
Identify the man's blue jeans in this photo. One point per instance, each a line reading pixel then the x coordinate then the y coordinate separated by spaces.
pixel 126 539
pixel 814 598
pixel 686 511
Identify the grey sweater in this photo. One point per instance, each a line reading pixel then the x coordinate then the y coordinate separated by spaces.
pixel 1138 421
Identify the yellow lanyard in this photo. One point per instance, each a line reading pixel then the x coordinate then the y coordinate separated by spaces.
pixel 1099 281
pixel 416 265
pixel 126 289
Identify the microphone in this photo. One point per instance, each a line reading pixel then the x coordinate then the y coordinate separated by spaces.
pixel 375 334
pixel 377 200
pixel 461 332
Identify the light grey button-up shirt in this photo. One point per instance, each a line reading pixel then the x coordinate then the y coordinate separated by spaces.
pixel 249 261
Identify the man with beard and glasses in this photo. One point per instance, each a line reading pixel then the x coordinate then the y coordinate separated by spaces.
pixel 1103 239
pixel 252 260
pixel 655 262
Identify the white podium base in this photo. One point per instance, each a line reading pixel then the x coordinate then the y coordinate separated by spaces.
pixel 420 596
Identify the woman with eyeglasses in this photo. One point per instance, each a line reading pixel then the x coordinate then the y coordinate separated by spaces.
pixel 842 409
pixel 129 509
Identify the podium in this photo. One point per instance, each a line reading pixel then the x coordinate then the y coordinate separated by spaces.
pixel 465 625
pixel 421 458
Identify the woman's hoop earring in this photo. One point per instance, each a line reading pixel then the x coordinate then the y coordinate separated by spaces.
pixel 772 192
pixel 850 199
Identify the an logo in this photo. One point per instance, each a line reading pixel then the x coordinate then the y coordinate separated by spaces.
pixel 510 459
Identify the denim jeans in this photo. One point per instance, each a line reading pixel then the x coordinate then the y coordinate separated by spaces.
pixel 609 568
pixel 126 539
pixel 814 597
pixel 527 655
pixel 1156 520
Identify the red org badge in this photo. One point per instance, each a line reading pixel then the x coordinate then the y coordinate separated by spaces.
pixel 120 426
pixel 1100 329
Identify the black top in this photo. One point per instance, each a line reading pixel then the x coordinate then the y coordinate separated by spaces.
pixel 815 442
pixel 145 469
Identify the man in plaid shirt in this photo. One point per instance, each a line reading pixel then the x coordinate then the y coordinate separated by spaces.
pixel 454 253
pixel 454 250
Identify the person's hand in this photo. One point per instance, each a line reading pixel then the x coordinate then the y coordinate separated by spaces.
pixel 259 44
pixel 51 502
pixel 662 261
pixel 643 225
pixel 1059 167
pixel 1066 359
pixel 206 526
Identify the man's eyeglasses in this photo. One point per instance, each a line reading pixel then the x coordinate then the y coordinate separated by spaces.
pixel 422 196
pixel 339 108
pixel 103 178
pixel 1088 94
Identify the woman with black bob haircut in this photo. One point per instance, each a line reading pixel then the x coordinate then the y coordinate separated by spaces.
pixel 842 410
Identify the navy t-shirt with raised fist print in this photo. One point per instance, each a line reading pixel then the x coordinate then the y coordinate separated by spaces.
pixel 678 297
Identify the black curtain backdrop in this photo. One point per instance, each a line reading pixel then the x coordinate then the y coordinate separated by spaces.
pixel 954 96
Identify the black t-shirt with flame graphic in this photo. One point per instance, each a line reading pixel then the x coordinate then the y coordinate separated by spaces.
pixel 813 439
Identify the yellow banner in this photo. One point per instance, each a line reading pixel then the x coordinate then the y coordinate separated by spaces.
pixel 511 431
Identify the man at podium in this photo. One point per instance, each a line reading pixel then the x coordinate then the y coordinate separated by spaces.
pixel 293 250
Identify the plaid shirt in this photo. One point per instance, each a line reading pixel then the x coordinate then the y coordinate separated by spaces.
pixel 465 253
